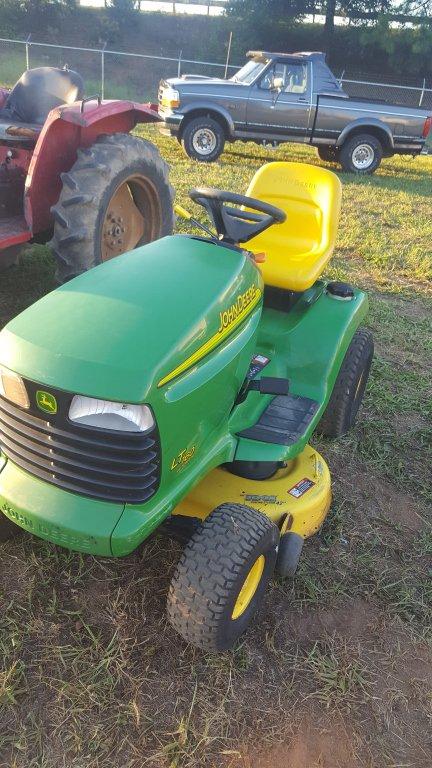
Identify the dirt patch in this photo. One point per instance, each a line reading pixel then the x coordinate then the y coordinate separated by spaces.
pixel 360 620
pixel 378 496
pixel 330 746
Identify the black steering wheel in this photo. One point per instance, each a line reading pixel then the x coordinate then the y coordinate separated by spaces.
pixel 235 225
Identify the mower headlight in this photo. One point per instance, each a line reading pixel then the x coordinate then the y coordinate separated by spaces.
pixel 170 98
pixel 108 415
pixel 13 388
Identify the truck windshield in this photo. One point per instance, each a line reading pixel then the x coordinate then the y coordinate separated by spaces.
pixel 249 72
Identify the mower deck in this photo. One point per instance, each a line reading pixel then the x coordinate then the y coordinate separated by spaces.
pixel 297 498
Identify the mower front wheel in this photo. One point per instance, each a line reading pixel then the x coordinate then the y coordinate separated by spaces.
pixel 116 197
pixel 222 576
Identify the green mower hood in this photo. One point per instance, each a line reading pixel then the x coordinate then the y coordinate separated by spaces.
pixel 119 329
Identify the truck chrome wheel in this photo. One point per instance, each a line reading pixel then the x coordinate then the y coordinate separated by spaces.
pixel 361 154
pixel 204 141
pixel 125 223
pixel 363 157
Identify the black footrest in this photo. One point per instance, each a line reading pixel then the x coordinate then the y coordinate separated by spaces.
pixel 284 421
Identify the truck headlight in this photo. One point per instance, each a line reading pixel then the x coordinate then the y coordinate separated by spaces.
pixel 109 415
pixel 170 98
pixel 13 388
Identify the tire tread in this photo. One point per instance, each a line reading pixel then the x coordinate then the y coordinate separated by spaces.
pixel 208 569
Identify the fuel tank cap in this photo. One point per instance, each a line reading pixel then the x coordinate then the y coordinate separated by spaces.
pixel 341 291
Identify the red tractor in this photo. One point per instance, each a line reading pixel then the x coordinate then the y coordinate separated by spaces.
pixel 71 173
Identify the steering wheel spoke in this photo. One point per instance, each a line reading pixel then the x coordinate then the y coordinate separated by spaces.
pixel 237 225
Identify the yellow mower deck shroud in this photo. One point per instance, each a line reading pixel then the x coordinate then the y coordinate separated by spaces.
pixel 297 498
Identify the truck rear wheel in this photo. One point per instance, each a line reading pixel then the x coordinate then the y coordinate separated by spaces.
pixel 346 398
pixel 116 197
pixel 362 154
pixel 222 576
pixel 203 139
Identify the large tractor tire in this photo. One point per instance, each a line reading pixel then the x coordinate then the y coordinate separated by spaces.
pixel 222 575
pixel 342 409
pixel 116 197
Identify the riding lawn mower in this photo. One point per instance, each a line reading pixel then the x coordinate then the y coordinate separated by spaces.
pixel 177 387
pixel 71 171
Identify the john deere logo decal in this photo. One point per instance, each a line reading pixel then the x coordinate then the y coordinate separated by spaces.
pixel 46 402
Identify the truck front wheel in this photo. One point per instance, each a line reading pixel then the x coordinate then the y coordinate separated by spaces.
pixel 361 154
pixel 203 139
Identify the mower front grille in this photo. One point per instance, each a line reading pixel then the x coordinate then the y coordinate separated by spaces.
pixel 97 463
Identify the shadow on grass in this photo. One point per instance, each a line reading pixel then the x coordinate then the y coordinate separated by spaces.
pixel 411 180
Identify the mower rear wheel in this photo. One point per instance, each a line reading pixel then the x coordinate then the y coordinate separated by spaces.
pixel 222 575
pixel 8 530
pixel 116 197
pixel 350 385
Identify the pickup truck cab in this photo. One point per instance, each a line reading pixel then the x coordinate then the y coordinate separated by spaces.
pixel 278 97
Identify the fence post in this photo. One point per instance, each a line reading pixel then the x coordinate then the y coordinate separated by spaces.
pixel 103 71
pixel 27 45
pixel 228 54
pixel 423 91
pixel 179 65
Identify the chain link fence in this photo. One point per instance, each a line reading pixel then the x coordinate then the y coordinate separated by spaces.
pixel 112 74
pixel 410 92
pixel 118 74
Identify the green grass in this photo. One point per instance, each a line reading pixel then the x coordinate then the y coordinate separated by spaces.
pixel 336 672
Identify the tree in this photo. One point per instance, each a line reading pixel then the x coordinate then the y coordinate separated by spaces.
pixel 265 11
pixel 417 7
pixel 123 6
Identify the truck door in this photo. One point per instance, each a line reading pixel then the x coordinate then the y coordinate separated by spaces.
pixel 280 102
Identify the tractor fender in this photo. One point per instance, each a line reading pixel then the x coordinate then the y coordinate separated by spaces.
pixel 128 113
pixel 203 107
pixel 368 125
pixel 66 130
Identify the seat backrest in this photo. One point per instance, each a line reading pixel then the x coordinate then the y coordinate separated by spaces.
pixel 297 250
pixel 40 90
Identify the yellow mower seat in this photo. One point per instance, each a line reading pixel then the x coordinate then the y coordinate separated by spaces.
pixel 297 250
